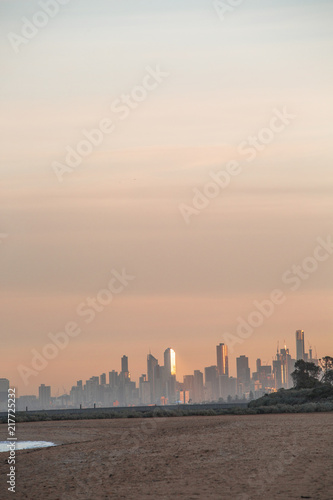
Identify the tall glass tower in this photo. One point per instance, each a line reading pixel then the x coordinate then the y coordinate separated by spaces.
pixel 222 359
pixel 299 344
pixel 170 362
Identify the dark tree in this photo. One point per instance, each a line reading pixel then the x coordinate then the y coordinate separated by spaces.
pixel 306 374
pixel 326 364
pixel 251 396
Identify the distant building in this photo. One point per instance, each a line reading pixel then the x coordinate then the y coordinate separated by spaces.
pixel 232 386
pixel 311 358
pixel 4 386
pixel 159 384
pixel 262 379
pixel 29 402
pixel 169 362
pixel 211 383
pixel 44 396
pixel 151 365
pixel 170 387
pixel 169 383
pixel 183 397
pixel 124 367
pixel 222 359
pixel 243 374
pixel 188 385
pixel 113 379
pixel 76 394
pixel 103 379
pixel 144 390
pixel 223 386
pixel 92 390
pixel 299 344
pixel 198 387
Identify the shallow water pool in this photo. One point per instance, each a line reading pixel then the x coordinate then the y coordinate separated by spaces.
pixel 24 445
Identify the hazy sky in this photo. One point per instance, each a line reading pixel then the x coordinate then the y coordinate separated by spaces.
pixel 121 207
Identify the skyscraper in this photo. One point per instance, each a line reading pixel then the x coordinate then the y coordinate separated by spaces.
pixel 124 364
pixel 169 362
pixel 44 392
pixel 151 372
pixel 211 383
pixel 188 385
pixel 169 382
pixel 222 359
pixel 243 374
pixel 198 386
pixel 299 344
pixel 144 390
pixel 113 379
pixel 4 386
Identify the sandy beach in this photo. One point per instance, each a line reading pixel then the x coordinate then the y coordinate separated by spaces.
pixel 222 457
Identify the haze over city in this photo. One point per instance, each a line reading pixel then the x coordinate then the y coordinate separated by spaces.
pixel 166 249
pixel 210 89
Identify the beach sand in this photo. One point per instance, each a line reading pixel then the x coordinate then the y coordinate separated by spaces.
pixel 287 456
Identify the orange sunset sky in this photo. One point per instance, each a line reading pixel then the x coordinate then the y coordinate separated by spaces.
pixel 121 207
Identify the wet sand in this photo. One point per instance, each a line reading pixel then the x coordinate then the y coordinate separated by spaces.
pixel 223 457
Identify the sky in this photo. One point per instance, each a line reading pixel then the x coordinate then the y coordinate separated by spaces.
pixel 206 84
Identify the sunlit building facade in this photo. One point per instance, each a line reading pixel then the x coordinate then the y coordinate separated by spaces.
pixel 222 359
pixel 170 362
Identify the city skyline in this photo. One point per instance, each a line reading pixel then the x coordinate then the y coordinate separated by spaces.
pixel 166 248
pixel 199 164
pixel 170 354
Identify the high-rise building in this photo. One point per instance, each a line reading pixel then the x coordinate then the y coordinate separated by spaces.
pixel 189 386
pixel 159 383
pixel 44 396
pixel 243 374
pixel 169 362
pixel 113 379
pixel 170 389
pixel 232 386
pixel 222 359
pixel 223 386
pixel 144 390
pixel 124 365
pixel 91 390
pixel 184 397
pixel 4 386
pixel 103 379
pixel 151 364
pixel 211 383
pixel 287 368
pixel 262 379
pixel 198 386
pixel 299 344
